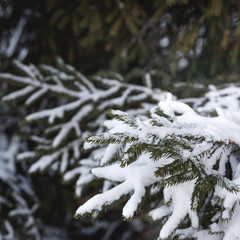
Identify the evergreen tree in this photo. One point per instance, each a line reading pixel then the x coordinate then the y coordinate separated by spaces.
pixel 176 163
pixel 70 107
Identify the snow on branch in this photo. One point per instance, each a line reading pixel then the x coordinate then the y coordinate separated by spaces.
pixel 17 215
pixel 186 154
pixel 184 160
pixel 73 106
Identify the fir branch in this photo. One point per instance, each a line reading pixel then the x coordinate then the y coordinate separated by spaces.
pixel 112 138
pixel 123 117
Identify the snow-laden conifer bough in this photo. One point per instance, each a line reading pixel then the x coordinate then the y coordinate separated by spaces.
pixel 190 161
pixel 178 162
pixel 71 106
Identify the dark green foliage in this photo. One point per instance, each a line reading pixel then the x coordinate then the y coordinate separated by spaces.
pixel 125 36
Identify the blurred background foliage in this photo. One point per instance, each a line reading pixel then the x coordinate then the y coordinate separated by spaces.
pixel 179 39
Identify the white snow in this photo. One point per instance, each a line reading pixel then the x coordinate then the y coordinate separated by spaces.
pixel 44 162
pixel 180 196
pixel 148 80
pixel 73 123
pixel 26 155
pixel 164 42
pixel 133 179
pixel 49 159
pixel 36 96
pixel 14 39
pixel 20 93
pixel 182 64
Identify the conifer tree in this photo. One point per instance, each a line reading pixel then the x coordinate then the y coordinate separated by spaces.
pixel 179 164
pixel 70 107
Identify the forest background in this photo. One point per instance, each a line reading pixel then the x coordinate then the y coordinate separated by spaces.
pixel 181 43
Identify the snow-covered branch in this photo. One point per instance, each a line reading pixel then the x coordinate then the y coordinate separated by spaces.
pixel 190 158
pixel 79 107
pixel 177 158
pixel 17 214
